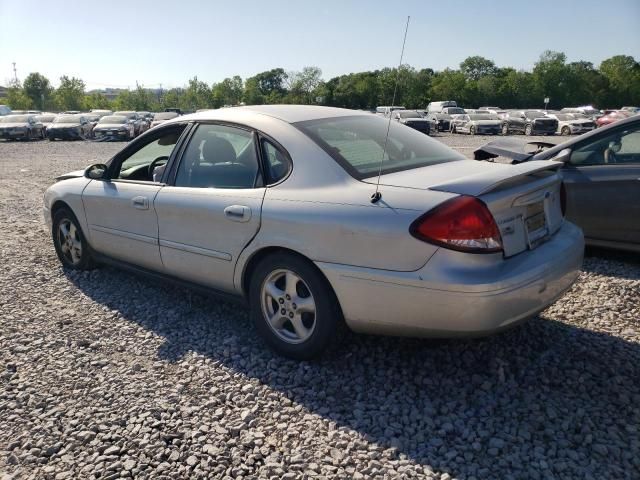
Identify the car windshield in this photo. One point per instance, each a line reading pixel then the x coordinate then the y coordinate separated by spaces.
pixel 484 116
pixel 112 119
pixel 126 114
pixel 409 114
pixel 165 115
pixel 563 117
pixel 67 119
pixel 15 119
pixel 357 142
pixel 454 110
pixel 534 114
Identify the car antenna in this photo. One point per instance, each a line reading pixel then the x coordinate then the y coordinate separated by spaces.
pixel 377 195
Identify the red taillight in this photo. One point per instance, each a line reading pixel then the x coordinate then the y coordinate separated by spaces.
pixel 563 199
pixel 462 223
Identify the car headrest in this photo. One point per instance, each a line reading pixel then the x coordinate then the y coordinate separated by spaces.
pixel 218 150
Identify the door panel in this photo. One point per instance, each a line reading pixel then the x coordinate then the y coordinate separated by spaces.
pixel 604 200
pixel 202 231
pixel 122 221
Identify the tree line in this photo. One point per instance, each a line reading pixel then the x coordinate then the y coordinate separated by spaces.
pixel 477 82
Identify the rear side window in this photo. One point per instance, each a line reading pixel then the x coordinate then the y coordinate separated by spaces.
pixel 219 156
pixel 277 164
pixel 357 144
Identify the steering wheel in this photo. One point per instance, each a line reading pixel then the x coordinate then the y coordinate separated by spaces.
pixel 156 163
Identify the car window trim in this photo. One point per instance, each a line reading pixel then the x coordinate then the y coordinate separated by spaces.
pixel 133 147
pixel 194 128
pixel 278 146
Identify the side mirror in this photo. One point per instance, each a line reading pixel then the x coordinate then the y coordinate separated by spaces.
pixel 563 156
pixel 96 172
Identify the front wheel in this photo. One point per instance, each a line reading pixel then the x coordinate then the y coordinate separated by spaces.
pixel 565 131
pixel 472 130
pixel 69 242
pixel 293 306
pixel 528 130
pixel 505 129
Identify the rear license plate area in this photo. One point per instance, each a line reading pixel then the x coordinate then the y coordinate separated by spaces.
pixel 535 224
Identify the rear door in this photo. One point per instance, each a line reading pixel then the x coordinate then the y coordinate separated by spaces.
pixel 211 210
pixel 602 179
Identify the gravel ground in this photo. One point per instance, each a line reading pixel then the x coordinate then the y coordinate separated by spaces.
pixel 107 375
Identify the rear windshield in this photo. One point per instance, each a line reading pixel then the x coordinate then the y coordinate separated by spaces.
pixel 534 115
pixel 113 119
pixel 67 119
pixel 409 114
pixel 357 144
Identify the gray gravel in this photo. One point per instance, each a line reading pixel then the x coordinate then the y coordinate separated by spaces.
pixel 107 375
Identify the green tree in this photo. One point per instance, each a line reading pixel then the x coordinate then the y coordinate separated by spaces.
pixel 552 78
pixel 98 101
pixel 228 92
pixel 70 94
pixel 476 67
pixel 449 85
pixel 17 99
pixel 623 74
pixel 303 85
pixel 38 88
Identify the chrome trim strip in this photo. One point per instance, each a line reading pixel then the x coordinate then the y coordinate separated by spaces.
pixel 122 233
pixel 197 250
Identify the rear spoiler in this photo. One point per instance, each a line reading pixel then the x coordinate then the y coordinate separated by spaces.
pixel 485 182
pixel 514 148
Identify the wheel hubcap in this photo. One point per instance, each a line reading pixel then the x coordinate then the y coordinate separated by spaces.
pixel 69 240
pixel 288 306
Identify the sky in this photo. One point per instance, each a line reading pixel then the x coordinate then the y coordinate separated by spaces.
pixel 117 43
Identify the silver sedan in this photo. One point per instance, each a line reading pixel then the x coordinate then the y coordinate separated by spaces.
pixel 280 205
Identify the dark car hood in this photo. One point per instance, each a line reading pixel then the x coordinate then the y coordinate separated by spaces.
pixel 514 148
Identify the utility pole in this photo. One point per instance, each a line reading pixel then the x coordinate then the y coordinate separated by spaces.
pixel 15 74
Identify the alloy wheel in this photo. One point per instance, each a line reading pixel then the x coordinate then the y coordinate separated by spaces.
pixel 69 241
pixel 288 306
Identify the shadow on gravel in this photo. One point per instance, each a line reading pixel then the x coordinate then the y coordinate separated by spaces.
pixel 615 262
pixel 545 400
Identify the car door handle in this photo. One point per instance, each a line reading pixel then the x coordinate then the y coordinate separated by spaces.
pixel 238 213
pixel 141 203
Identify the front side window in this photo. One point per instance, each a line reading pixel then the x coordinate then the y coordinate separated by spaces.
pixel 619 147
pixel 219 156
pixel 357 144
pixel 147 162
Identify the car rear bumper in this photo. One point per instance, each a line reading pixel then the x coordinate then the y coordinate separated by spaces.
pixel 458 294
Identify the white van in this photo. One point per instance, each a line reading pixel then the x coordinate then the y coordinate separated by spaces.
pixel 436 107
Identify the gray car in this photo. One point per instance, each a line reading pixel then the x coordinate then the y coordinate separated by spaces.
pixel 601 171
pixel 280 205
pixel 21 127
pixel 482 124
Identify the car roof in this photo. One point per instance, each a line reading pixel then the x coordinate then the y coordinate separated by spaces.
pixel 286 113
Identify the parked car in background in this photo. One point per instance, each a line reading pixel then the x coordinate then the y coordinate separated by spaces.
pixel 20 127
pixel 600 173
pixel 453 110
pixel 572 123
pixel 71 112
pixel 5 110
pixel 133 118
pixel 437 107
pixel 441 121
pixel 145 120
pixel 161 117
pixel 46 119
pixel 114 127
pixel 100 113
pixel 70 127
pixel 302 242
pixel 491 109
pixel 529 122
pixel 411 118
pixel 386 111
pixel 482 124
pixel 587 110
pixel 176 110
pixel 612 116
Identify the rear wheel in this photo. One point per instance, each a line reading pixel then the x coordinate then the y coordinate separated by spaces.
pixel 293 306
pixel 528 130
pixel 453 129
pixel 565 131
pixel 69 242
pixel 472 130
pixel 505 129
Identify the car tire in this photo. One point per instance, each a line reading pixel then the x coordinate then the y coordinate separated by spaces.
pixel 505 129
pixel 565 131
pixel 29 136
pixel 453 129
pixel 71 246
pixel 472 130
pixel 528 129
pixel 276 283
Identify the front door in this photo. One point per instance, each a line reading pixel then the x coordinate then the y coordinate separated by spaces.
pixel 212 209
pixel 602 179
pixel 122 221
